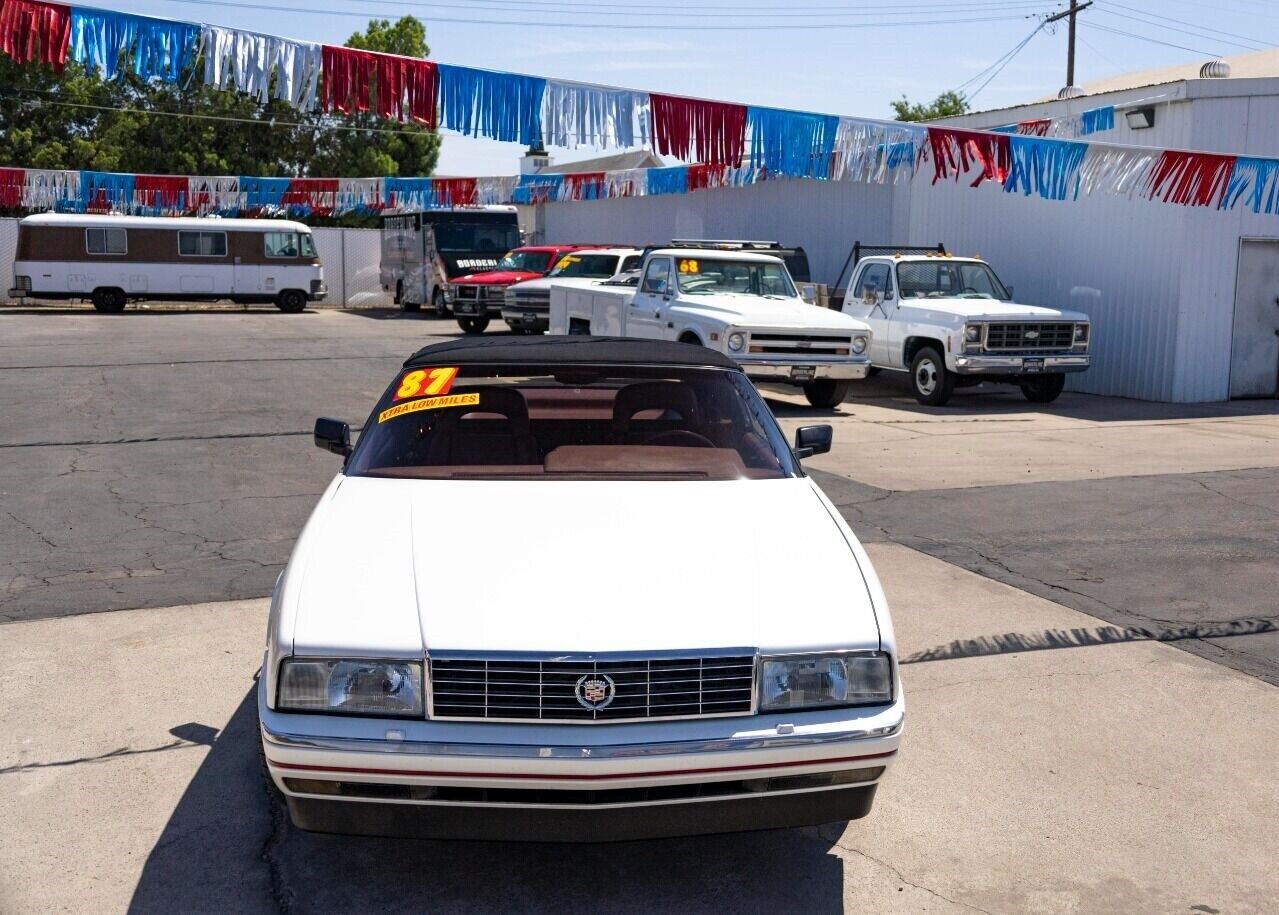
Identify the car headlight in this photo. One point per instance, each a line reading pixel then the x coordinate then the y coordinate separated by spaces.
pixel 859 344
pixel 736 342
pixel 1081 333
pixel 972 333
pixel 352 687
pixel 825 681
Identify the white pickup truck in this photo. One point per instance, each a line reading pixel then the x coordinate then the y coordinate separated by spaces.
pixel 526 307
pixel 949 322
pixel 741 303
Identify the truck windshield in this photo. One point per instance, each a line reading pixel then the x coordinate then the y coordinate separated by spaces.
pixel 699 276
pixel 934 279
pixel 600 266
pixel 470 237
pixel 526 261
pixel 572 422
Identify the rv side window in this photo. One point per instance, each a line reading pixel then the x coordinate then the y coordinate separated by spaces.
pixel 106 241
pixel 202 244
pixel 281 244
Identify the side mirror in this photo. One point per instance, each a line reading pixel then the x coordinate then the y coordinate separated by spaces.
pixel 808 293
pixel 333 435
pixel 810 440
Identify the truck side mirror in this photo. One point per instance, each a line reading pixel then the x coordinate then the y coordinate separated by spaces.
pixel 333 435
pixel 808 293
pixel 810 440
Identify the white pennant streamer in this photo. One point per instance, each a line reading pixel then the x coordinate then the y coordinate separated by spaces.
pixel 248 59
pixel 493 191
pixel 214 194
pixel 576 115
pixel 1115 170
pixel 45 189
pixel 626 182
pixel 868 151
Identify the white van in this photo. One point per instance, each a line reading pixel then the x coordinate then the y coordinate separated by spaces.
pixel 111 260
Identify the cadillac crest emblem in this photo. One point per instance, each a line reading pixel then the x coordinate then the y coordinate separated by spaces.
pixel 595 691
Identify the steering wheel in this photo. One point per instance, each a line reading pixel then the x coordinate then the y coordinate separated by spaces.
pixel 680 438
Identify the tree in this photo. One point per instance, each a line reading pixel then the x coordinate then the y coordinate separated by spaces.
pixel 75 121
pixel 946 105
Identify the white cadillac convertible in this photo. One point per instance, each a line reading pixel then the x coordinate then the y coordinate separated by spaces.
pixel 575 589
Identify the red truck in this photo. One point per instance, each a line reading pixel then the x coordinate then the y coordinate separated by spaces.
pixel 477 297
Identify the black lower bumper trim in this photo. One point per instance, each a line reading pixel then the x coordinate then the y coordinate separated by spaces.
pixel 516 824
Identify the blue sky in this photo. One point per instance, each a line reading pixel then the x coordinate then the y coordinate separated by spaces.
pixel 918 49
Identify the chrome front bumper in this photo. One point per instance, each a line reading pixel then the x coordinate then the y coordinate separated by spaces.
pixel 784 368
pixel 981 363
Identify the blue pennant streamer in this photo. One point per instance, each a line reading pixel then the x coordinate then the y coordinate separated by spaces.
pixel 1259 179
pixel 501 106
pixel 106 190
pixel 668 180
pixel 1096 119
pixel 104 40
pixel 901 155
pixel 1045 166
pixel 264 193
pixel 537 188
pixel 408 193
pixel 791 142
pixel 1005 128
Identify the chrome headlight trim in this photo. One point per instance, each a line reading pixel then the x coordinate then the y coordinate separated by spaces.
pixel 407 700
pixel 852 663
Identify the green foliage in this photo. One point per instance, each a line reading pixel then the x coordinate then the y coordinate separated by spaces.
pixel 946 105
pixel 71 121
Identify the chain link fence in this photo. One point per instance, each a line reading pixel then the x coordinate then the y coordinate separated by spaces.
pixel 350 256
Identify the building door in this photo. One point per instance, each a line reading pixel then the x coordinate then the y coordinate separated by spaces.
pixel 1254 351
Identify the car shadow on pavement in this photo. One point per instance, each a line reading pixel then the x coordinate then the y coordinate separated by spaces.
pixel 228 846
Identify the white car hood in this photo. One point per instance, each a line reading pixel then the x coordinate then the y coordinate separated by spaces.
pixel 545 283
pixel 747 311
pixel 992 309
pixel 394 566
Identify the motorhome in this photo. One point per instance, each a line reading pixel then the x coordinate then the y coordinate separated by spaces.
pixel 424 251
pixel 113 260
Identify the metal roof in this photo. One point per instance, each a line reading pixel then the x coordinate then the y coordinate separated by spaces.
pixel 207 223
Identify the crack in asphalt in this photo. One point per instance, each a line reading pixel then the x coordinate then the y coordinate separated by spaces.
pixel 119 753
pixel 269 855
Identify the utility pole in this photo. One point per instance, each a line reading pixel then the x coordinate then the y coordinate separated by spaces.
pixel 1075 9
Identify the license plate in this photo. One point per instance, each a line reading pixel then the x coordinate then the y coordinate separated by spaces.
pixel 530 318
pixel 803 373
pixel 464 309
pixel 1032 365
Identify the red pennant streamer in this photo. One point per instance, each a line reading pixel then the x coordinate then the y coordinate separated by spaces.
pixel 406 88
pixel 12 181
pixel 956 151
pixel 161 192
pixel 710 132
pixel 31 31
pixel 706 175
pixel 453 192
pixel 1036 128
pixel 318 194
pixel 1198 179
pixel 584 186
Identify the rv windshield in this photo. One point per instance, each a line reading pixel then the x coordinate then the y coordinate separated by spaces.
pixel 472 237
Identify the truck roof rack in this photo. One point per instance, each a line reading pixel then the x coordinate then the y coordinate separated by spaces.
pixel 727 244
pixel 859 251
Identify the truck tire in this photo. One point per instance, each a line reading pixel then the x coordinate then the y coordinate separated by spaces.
pixel 291 301
pixel 473 325
pixel 1044 389
pixel 826 393
pixel 109 301
pixel 437 302
pixel 930 382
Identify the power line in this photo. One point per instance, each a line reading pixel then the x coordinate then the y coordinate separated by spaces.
pixel 1166 44
pixel 1173 28
pixel 1008 58
pixel 1000 62
pixel 574 8
pixel 1202 28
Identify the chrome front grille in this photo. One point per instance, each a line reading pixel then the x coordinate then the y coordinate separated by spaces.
pixel 499 688
pixel 799 344
pixel 1029 336
pixel 533 302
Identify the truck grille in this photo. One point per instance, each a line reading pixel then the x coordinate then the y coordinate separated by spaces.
pixel 469 293
pixel 799 344
pixel 533 302
pixel 1029 336
pixel 547 690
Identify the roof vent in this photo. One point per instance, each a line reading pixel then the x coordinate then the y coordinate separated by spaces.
pixel 1215 69
pixel 1070 92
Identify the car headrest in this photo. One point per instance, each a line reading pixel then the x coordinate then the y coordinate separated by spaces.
pixel 654 395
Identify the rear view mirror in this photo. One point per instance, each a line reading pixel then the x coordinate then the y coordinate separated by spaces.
pixel 810 440
pixel 333 435
pixel 808 293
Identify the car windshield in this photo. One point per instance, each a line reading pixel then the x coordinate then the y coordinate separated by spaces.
pixel 935 279
pixel 572 422
pixel 702 276
pixel 471 238
pixel 598 266
pixel 525 261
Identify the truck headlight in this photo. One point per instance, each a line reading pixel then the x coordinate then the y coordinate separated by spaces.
pixel 972 333
pixel 351 687
pixel 859 344
pixel 736 342
pixel 825 681
pixel 1081 333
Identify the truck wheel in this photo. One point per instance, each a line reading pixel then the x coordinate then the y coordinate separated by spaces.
pixel 437 302
pixel 473 325
pixel 109 301
pixel 291 301
pixel 1044 389
pixel 826 393
pixel 931 383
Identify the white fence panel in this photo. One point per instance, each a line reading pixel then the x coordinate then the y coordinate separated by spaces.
pixel 8 247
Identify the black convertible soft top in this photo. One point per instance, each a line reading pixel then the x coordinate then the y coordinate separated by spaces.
pixel 569 350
